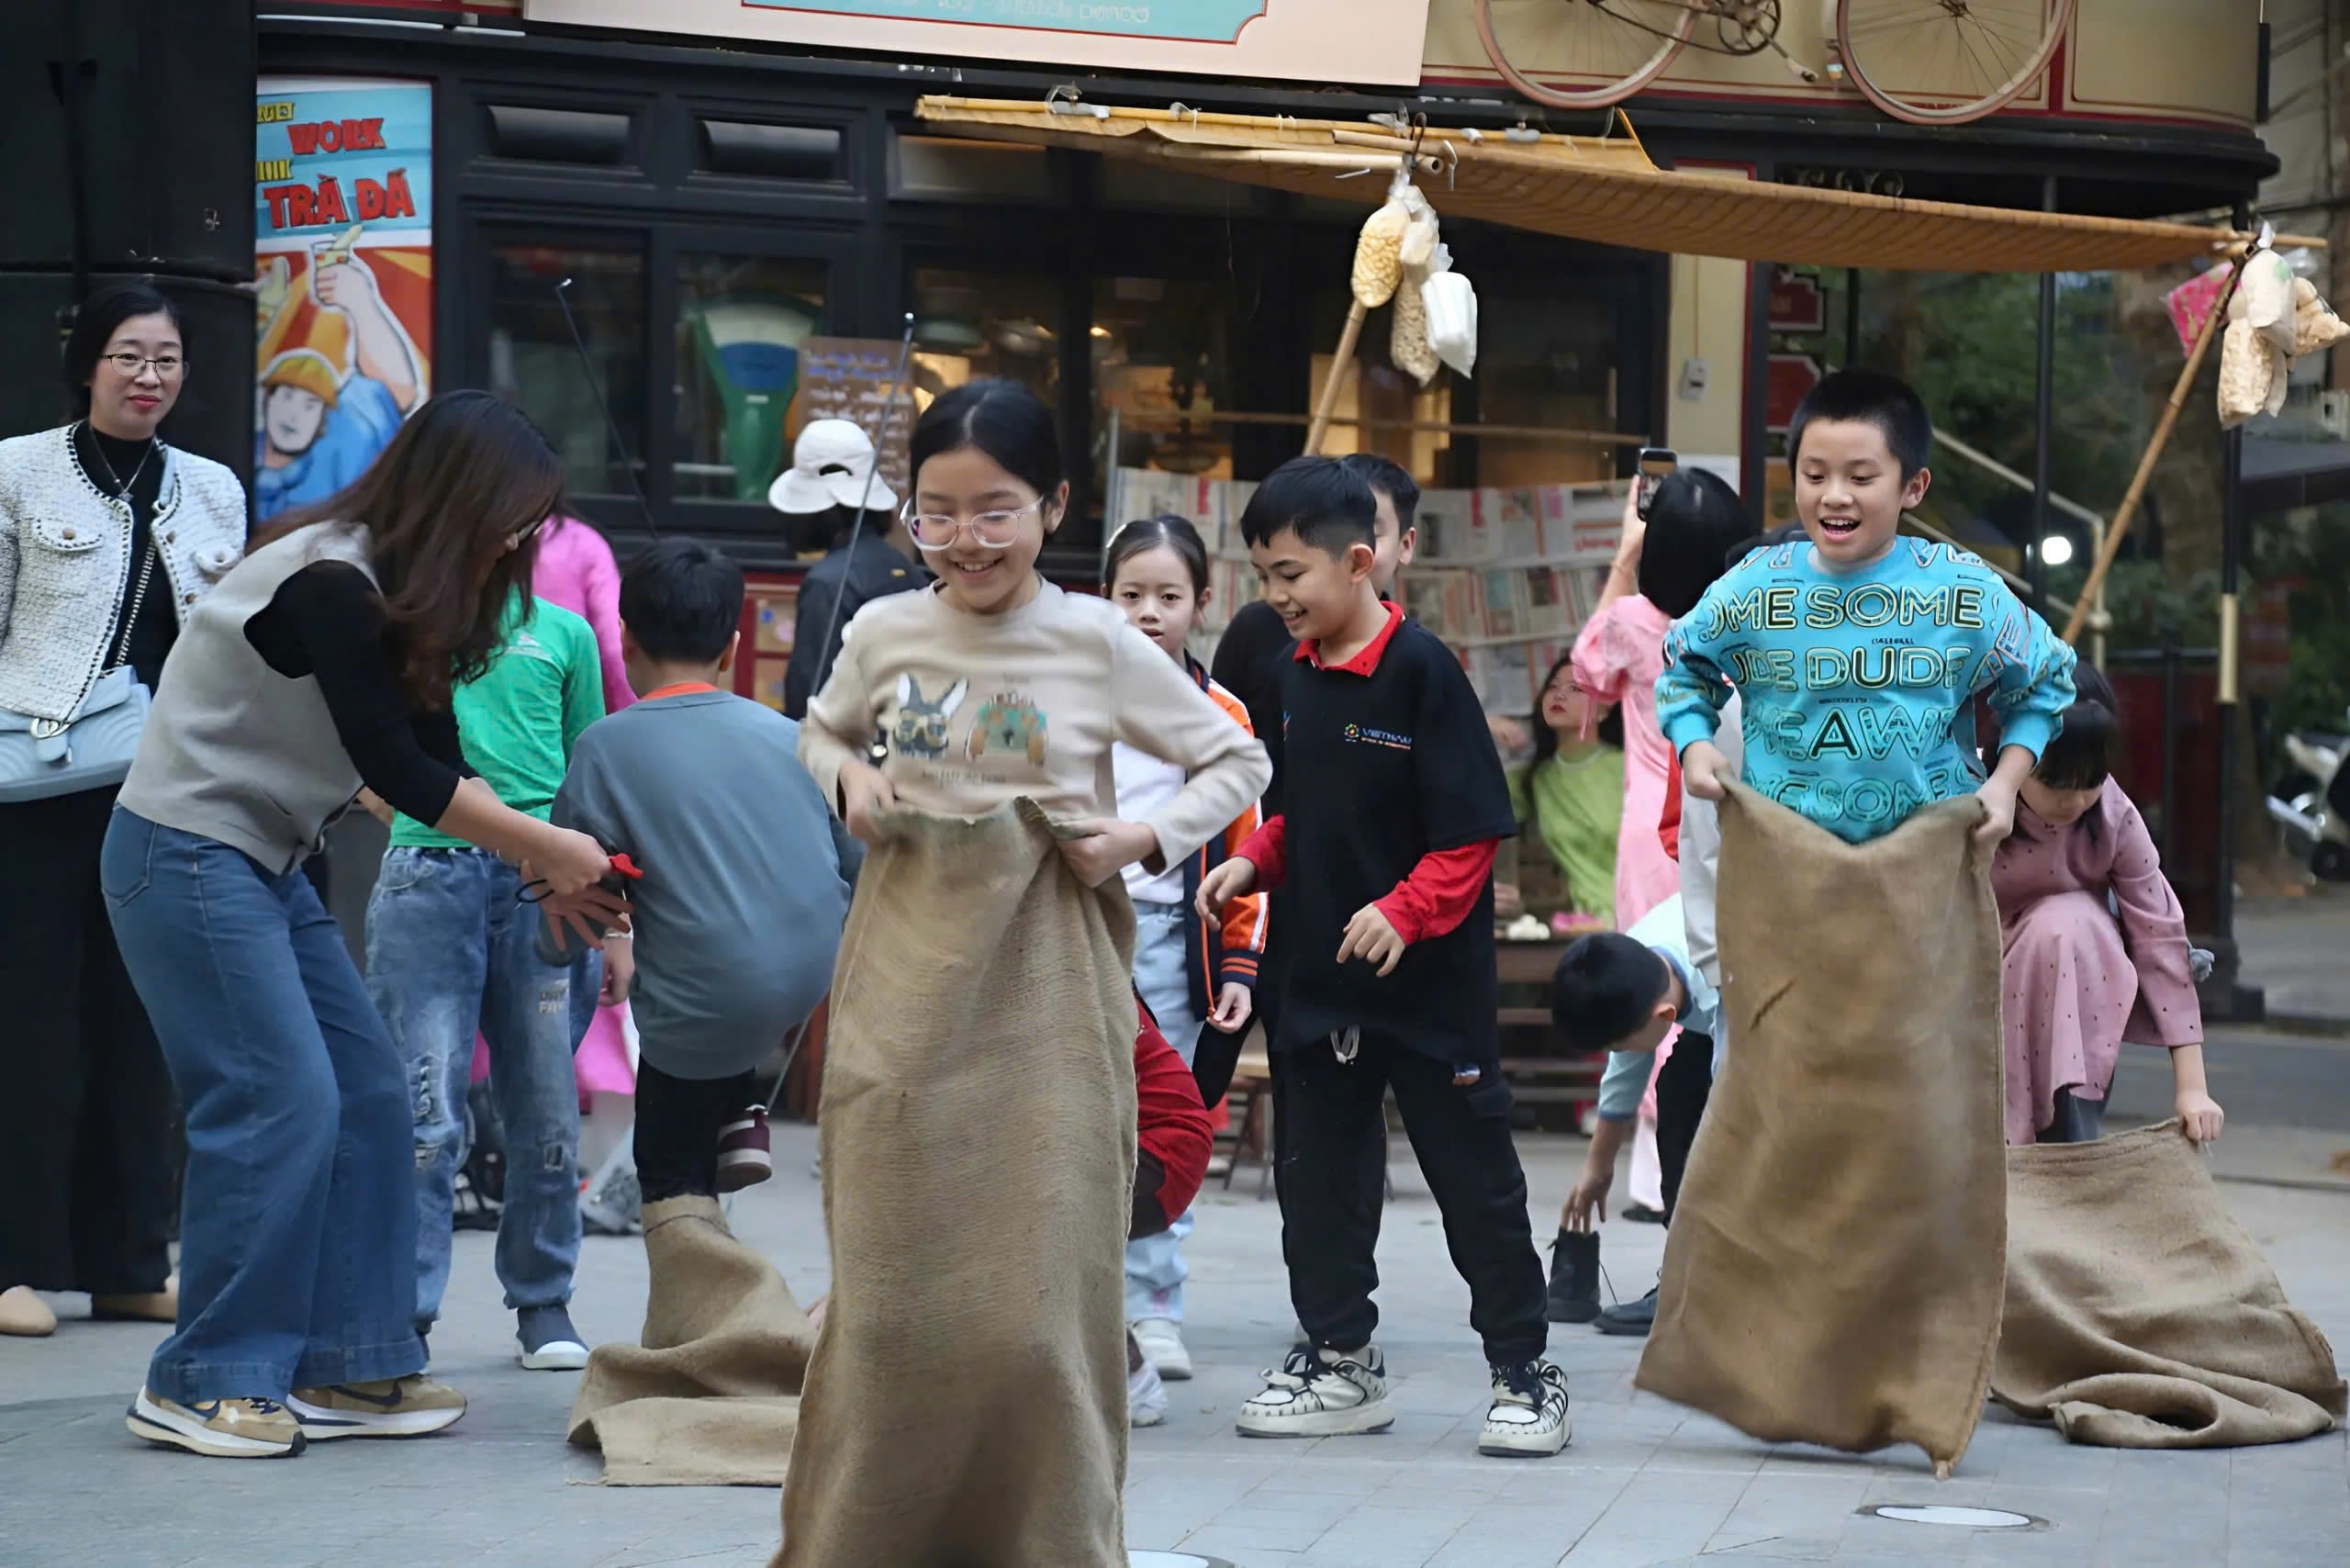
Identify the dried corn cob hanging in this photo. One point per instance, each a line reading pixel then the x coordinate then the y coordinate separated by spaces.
pixel 1378 268
pixel 1409 342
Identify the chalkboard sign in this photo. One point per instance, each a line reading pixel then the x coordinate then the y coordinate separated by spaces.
pixel 851 379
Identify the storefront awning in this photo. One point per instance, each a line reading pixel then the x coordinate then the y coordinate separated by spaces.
pixel 1599 189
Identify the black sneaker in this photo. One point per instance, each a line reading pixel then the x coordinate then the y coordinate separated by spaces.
pixel 1529 1415
pixel 549 1341
pixel 1575 1276
pixel 1631 1320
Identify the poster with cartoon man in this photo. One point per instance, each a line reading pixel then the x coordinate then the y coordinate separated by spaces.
pixel 343 209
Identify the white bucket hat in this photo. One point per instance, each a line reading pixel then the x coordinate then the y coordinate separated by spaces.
pixel 830 464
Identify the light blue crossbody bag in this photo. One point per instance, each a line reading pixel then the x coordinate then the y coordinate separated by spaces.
pixel 41 758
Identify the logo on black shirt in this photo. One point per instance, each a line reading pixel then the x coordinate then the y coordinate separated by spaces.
pixel 1363 734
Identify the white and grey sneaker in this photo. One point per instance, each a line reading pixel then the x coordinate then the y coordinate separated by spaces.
pixel 1145 1394
pixel 1529 1415
pixel 1162 1341
pixel 1326 1396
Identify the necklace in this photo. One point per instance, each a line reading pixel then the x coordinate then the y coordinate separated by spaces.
pixel 147 563
pixel 122 487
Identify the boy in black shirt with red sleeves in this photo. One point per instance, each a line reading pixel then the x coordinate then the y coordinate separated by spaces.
pixel 1394 805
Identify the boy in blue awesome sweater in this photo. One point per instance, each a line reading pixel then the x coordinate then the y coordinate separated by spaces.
pixel 1857 654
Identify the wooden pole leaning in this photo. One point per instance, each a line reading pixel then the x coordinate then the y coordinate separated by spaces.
pixel 1342 364
pixel 2119 529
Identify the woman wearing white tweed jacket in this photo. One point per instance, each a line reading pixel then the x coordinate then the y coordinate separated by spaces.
pixel 85 1123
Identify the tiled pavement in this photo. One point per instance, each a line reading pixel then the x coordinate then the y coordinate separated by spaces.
pixel 1645 1484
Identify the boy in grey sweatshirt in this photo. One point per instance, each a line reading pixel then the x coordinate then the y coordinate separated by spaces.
pixel 745 872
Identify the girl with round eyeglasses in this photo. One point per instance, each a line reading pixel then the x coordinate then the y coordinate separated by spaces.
pixel 990 691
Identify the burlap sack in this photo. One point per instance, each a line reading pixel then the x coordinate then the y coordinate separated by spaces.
pixel 968 1403
pixel 1834 1270
pixel 712 1394
pixel 2139 1315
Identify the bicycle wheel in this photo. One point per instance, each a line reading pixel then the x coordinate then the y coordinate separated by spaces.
pixel 1620 46
pixel 1947 62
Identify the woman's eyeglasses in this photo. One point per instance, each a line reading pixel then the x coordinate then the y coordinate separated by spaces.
pixel 133 365
pixel 988 530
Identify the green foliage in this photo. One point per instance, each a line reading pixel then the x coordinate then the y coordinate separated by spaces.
pixel 2151 609
pixel 2316 554
pixel 1970 344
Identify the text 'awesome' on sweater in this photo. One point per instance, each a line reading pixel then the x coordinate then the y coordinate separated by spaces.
pixel 1857 685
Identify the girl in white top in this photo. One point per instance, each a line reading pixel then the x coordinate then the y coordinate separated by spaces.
pixel 994 684
pixel 1189 970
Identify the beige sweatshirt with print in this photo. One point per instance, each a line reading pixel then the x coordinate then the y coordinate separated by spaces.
pixel 980 710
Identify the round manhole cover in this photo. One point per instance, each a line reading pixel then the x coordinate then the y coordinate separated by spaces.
pixel 1964 1518
pixel 1173 1560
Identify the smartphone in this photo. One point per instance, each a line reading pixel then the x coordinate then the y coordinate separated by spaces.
pixel 1656 461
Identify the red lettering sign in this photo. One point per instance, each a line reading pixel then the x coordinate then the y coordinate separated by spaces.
pixel 336 136
pixel 389 199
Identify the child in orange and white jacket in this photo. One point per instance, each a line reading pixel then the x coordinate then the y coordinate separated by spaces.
pixel 1196 975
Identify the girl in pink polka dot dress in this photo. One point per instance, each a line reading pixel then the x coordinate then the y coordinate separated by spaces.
pixel 2094 941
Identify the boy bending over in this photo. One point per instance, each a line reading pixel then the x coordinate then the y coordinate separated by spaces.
pixel 737 917
pixel 1857 655
pixel 1394 803
pixel 1624 993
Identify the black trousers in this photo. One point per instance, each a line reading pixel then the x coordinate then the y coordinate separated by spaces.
pixel 1682 1089
pixel 677 1121
pixel 87 1139
pixel 1333 1185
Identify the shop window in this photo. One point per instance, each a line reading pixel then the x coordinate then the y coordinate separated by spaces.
pixel 969 325
pixel 1162 351
pixel 740 322
pixel 1551 360
pixel 942 168
pixel 558 136
pixel 1374 389
pixel 801 152
pixel 534 363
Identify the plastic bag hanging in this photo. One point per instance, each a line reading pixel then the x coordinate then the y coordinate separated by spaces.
pixel 2266 292
pixel 1452 313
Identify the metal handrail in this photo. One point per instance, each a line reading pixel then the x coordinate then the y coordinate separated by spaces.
pixel 2099 622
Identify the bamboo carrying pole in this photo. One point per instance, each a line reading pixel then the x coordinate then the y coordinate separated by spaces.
pixel 1342 363
pixel 2119 528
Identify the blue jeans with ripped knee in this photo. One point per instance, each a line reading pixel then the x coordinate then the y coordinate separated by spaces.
pixel 448 950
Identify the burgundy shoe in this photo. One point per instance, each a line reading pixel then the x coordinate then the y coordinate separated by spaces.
pixel 743 1156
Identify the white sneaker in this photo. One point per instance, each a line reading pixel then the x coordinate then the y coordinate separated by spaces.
pixel 1162 1346
pixel 1146 1396
pixel 1529 1415
pixel 1320 1396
